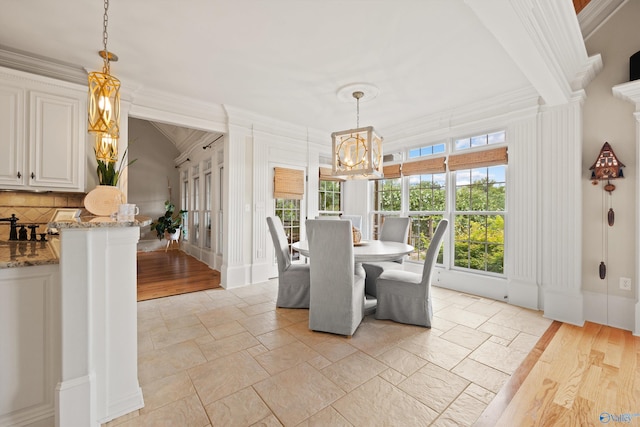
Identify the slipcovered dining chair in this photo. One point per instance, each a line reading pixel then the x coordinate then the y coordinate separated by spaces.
pixel 337 303
pixel 356 220
pixel 404 296
pixel 394 229
pixel 293 279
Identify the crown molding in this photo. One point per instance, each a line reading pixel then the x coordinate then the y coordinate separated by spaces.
pixel 512 105
pixel 543 38
pixel 41 66
pixel 261 123
pixel 629 91
pixel 595 14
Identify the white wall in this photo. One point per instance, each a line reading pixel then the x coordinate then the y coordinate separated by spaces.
pixel 154 170
pixel 607 118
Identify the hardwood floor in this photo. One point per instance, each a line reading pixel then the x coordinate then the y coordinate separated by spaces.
pixel 173 272
pixel 575 376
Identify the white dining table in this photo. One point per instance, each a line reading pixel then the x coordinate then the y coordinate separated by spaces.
pixel 367 250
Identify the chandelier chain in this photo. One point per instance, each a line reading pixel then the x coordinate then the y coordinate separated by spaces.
pixel 357 112
pixel 105 34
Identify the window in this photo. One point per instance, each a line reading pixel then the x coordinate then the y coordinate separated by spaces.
pixel 480 140
pixel 427 150
pixel 207 210
pixel 185 204
pixel 463 180
pixel 427 205
pixel 329 196
pixel 196 210
pixel 288 210
pixel 329 193
pixel 479 219
pixel 387 201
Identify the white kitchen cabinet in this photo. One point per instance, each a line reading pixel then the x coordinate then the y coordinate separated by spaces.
pixel 12 143
pixel 30 349
pixel 43 129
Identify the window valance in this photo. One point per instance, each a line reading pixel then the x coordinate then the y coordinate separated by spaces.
pixel 288 183
pixel 426 166
pixel 476 159
pixel 325 175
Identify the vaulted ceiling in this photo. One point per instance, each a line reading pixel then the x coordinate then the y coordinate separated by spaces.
pixel 288 59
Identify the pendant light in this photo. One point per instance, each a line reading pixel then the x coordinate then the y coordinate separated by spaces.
pixel 104 102
pixel 357 153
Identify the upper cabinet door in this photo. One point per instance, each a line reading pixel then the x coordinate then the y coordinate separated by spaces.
pixel 55 141
pixel 12 160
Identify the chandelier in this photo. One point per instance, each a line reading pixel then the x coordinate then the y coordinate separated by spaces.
pixel 104 102
pixel 357 153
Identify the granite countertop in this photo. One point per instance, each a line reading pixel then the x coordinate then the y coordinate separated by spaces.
pixel 25 253
pixel 100 222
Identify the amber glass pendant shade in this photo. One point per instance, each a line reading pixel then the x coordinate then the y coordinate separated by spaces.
pixel 106 148
pixel 104 103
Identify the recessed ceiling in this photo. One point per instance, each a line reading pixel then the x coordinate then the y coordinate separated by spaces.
pixel 284 59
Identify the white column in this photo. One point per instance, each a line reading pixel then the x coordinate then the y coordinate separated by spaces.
pixel 99 380
pixel 560 172
pixel 235 270
pixel 522 204
pixel 631 92
pixel 262 257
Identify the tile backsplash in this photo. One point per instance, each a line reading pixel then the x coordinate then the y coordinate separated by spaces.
pixel 37 208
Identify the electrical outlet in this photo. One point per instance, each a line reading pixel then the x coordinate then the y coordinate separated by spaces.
pixel 625 283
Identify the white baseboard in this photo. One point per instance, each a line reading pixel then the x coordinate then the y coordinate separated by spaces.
pixel 523 294
pixel 564 306
pixel 73 400
pixel 609 310
pixel 124 406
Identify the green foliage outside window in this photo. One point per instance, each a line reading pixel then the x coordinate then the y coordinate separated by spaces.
pixel 289 212
pixel 479 235
pixel 389 195
pixel 329 196
pixel 478 225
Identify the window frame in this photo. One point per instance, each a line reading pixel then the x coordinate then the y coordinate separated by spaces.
pixel 446 257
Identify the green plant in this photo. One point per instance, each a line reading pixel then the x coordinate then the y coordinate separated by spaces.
pixel 108 173
pixel 170 222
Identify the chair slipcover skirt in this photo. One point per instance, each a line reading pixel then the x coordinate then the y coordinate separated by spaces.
pixel 404 296
pixel 403 299
pixel 337 293
pixel 293 279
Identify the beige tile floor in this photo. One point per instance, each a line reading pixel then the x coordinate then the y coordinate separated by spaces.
pixel 230 358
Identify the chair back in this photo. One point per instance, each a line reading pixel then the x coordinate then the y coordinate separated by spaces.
pixel 280 243
pixel 356 220
pixel 395 229
pixel 336 297
pixel 433 250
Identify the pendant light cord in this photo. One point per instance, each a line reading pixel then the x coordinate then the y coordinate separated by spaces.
pixel 105 35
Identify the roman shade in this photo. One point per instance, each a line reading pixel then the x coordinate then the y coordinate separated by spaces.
pixel 392 171
pixel 288 183
pixel 325 175
pixel 476 159
pixel 435 165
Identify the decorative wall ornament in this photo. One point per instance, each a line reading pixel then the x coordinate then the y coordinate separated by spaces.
pixel 605 168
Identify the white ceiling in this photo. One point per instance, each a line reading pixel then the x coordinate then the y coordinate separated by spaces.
pixel 287 59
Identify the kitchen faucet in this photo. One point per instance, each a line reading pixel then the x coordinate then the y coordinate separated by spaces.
pixel 13 234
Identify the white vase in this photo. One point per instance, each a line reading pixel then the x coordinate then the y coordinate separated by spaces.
pixel 172 236
pixel 103 200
